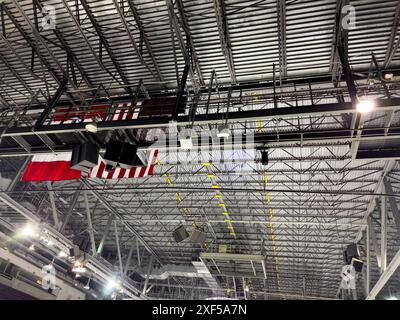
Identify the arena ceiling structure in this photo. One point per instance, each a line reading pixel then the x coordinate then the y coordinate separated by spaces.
pixel 245 115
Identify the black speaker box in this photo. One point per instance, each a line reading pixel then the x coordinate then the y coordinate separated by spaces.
pixel 357 264
pixel 113 152
pixel 85 156
pixel 180 234
pixel 198 236
pixel 128 155
pixel 351 252
pixel 264 157
pixel 82 243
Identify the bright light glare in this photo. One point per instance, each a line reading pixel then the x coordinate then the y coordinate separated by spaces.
pixel 365 106
pixel 111 285
pixel 79 269
pixel 28 231
pixel 392 298
pixel 91 127
pixel 62 254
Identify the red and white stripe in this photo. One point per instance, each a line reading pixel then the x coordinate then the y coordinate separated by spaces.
pixel 51 167
pixel 122 173
pixel 123 111
pixel 57 167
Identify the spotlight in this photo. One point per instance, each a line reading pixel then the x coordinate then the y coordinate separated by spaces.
pixel 185 139
pixel 366 106
pixel 28 231
pixel 186 142
pixel 92 126
pixel 87 285
pixel 79 269
pixel 111 285
pixel 62 254
pixel 389 76
pixel 223 131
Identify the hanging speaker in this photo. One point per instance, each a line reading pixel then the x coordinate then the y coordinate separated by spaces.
pixel 85 156
pixel 198 236
pixel 113 152
pixel 264 157
pixel 357 264
pixel 128 155
pixel 350 253
pixel 180 234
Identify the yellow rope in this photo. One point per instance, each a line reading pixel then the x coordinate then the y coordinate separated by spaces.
pixel 212 176
pixel 179 198
pixel 271 229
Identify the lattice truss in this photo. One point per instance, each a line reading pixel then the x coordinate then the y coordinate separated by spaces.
pixel 300 211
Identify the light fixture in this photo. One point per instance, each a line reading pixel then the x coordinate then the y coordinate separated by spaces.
pixel 32 248
pixel 365 106
pixel 79 269
pixel 87 285
pixel 223 131
pixel 388 76
pixel 112 284
pixel 62 254
pixel 92 125
pixel 28 231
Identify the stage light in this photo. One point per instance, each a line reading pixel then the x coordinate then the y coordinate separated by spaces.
pixel 111 285
pixel 79 269
pixel 62 254
pixel 389 76
pixel 29 231
pixel 92 125
pixel 366 106
pixel 223 131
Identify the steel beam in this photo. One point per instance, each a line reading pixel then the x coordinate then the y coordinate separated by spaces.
pixel 68 50
pixel 224 37
pixel 121 268
pixel 233 117
pixel 393 204
pixel 386 275
pixel 149 269
pixel 53 205
pixel 89 221
pixel 368 254
pixel 104 42
pixel 192 61
pixel 383 233
pixel 105 235
pixel 375 245
pixel 393 44
pixel 281 19
pixel 129 258
pixel 139 24
pixel 87 42
pixel 70 209
pixel 121 15
pixel 50 105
